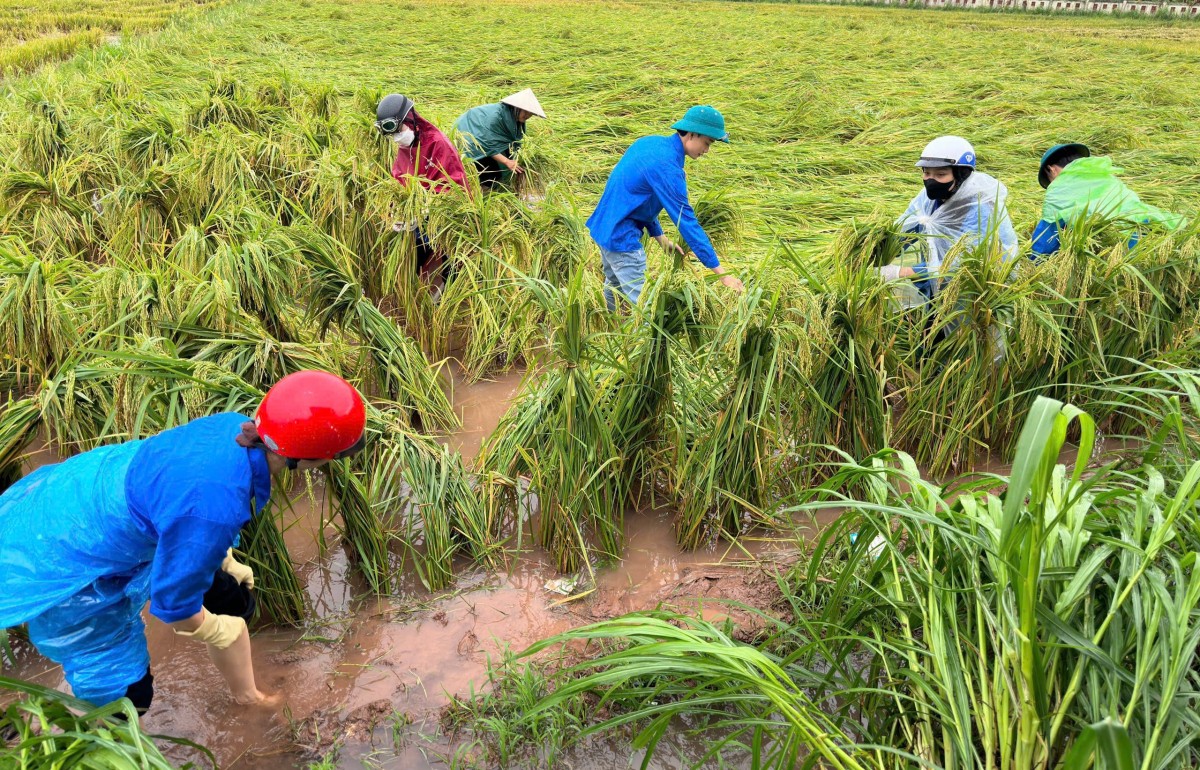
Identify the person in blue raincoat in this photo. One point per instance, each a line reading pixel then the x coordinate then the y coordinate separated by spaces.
pixel 648 180
pixel 957 203
pixel 86 542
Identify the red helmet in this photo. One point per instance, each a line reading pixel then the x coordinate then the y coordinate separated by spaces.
pixel 311 415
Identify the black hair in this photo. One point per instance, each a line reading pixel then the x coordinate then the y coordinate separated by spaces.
pixel 961 173
pixel 1064 159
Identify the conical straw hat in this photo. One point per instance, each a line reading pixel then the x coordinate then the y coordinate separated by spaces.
pixel 525 100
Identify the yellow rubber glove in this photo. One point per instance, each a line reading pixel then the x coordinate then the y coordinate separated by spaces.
pixel 218 630
pixel 237 570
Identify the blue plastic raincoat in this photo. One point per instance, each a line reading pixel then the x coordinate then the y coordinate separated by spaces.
pixel 85 543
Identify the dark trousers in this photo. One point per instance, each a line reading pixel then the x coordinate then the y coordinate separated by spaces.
pixel 226 596
pixel 491 173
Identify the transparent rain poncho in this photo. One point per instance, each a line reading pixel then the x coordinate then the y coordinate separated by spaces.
pixel 974 211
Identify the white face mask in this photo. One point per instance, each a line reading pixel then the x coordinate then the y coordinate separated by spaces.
pixel 404 137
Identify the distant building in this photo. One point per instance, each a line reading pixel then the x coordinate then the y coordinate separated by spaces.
pixel 1190 9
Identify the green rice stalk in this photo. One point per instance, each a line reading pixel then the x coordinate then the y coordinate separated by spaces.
pixel 52 729
pixel 279 592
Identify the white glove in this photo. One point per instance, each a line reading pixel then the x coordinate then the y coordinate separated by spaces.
pixel 889 272
pixel 238 571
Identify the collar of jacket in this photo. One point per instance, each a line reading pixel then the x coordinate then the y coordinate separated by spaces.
pixel 260 478
pixel 677 146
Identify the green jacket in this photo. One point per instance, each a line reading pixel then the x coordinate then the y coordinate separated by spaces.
pixel 491 129
pixel 1090 186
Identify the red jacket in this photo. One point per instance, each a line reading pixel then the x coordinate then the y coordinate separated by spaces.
pixel 431 158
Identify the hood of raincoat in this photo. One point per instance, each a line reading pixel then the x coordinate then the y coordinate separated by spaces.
pixel 970 211
pixel 1090 186
pixel 491 129
pixel 431 158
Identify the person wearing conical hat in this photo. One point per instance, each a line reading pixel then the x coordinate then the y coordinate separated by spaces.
pixel 648 180
pixel 491 134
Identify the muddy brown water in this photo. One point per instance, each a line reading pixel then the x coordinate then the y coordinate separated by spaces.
pixel 362 662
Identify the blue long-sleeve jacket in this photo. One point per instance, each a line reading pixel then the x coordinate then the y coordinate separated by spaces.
pixel 158 513
pixel 194 486
pixel 648 179
pixel 1045 239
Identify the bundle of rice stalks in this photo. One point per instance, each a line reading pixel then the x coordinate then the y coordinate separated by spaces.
pixel 962 403
pixel 352 483
pixel 38 319
pixel 561 437
pixel 871 242
pixel 558 237
pixel 846 393
pixel 1116 305
pixel 726 478
pixel 544 162
pixel 227 101
pixel 258 259
pixel 52 212
pixel 43 137
pixel 720 214
pixel 121 301
pixel 393 361
pixel 150 140
pixel 484 306
pixel 443 514
pixel 676 307
pixel 280 595
pixel 19 421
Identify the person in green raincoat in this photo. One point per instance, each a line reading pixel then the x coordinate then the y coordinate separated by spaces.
pixel 491 135
pixel 1078 184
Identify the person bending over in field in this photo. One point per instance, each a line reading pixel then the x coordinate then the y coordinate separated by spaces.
pixel 492 134
pixel 957 202
pixel 1079 185
pixel 85 543
pixel 647 180
pixel 425 154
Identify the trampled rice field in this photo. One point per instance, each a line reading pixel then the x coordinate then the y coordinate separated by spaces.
pixel 190 215
pixel 33 34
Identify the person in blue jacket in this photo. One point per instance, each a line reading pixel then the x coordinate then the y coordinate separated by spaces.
pixel 1079 185
pixel 86 542
pixel 647 180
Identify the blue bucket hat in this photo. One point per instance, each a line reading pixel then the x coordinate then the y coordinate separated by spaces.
pixel 704 120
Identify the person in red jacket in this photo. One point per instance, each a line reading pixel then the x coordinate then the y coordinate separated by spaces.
pixel 425 154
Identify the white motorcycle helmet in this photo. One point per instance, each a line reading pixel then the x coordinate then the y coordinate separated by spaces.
pixel 952 151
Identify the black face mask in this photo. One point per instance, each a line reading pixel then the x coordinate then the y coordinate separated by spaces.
pixel 939 191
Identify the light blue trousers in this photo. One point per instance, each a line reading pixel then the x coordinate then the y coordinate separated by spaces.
pixel 624 271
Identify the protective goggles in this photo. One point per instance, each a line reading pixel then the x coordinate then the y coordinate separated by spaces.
pixel 389 125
